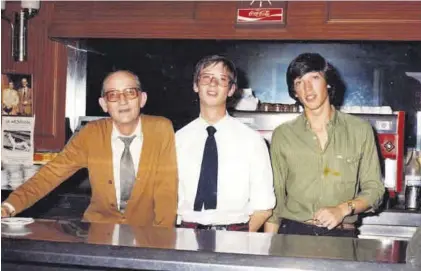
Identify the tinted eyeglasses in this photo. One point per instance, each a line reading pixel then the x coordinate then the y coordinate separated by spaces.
pixel 114 94
pixel 206 79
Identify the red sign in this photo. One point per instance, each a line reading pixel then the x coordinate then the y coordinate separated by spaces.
pixel 256 15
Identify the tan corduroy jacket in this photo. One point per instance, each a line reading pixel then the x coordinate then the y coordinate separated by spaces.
pixel 153 200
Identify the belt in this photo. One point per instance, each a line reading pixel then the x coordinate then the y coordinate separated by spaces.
pixel 342 226
pixel 228 227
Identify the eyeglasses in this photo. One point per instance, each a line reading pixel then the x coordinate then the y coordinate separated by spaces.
pixel 206 79
pixel 114 94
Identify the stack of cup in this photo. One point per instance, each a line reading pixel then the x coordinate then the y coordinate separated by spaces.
pixel 15 175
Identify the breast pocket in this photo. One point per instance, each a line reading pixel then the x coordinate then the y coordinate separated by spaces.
pixel 348 166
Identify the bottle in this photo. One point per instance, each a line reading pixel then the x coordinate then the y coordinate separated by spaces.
pixel 413 169
pixel 413 181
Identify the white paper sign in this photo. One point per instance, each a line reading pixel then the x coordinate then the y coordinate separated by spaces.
pixel 17 134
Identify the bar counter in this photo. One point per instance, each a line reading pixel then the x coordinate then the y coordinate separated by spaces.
pixel 75 245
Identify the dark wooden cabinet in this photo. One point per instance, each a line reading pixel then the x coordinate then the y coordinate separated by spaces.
pixel 306 20
pixel 309 20
pixel 46 63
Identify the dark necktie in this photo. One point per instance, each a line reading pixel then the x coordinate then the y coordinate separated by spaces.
pixel 127 173
pixel 207 188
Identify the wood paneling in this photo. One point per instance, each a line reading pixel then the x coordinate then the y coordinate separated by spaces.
pixel 374 12
pixel 378 20
pixel 306 20
pixel 47 65
pixel 128 12
pixel 215 12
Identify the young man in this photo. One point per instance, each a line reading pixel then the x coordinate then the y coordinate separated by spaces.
pixel 225 177
pixel 325 163
pixel 130 157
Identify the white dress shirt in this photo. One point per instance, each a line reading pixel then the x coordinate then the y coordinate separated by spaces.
pixel 245 181
pixel 117 147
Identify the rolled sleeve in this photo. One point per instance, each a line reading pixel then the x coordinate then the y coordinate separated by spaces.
pixel 371 186
pixel 262 196
pixel 279 169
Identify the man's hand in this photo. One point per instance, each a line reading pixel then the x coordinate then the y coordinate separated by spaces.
pixel 271 227
pixel 330 217
pixel 5 211
pixel 258 218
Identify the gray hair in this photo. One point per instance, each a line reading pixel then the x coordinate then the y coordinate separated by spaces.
pixel 136 78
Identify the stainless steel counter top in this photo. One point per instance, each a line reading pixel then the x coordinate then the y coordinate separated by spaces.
pixel 390 224
pixel 95 244
pixel 394 217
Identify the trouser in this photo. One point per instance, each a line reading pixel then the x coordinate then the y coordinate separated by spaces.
pixel 230 227
pixel 294 227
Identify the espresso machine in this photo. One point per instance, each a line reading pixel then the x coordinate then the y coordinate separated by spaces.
pixel 389 130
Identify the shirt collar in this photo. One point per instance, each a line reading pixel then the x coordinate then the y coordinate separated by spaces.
pixel 137 132
pixel 331 123
pixel 220 125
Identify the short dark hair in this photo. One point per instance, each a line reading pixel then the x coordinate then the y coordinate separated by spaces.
pixel 136 78
pixel 213 60
pixel 311 62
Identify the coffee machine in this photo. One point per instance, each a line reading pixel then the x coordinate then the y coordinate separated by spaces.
pixel 389 130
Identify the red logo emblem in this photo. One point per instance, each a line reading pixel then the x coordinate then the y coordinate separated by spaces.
pixel 251 15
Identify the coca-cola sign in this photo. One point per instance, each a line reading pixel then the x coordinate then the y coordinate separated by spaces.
pixel 256 15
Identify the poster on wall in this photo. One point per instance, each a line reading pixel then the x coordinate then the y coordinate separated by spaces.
pixel 17 93
pixel 17 137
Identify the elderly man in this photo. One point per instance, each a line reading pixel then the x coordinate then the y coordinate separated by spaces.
pixel 130 157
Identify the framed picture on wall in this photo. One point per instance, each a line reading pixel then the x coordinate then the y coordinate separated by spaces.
pixel 17 94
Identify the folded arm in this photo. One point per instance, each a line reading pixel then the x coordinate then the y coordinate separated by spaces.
pixel 371 188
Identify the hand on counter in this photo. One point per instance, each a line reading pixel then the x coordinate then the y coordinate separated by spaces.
pixel 4 212
pixel 7 210
pixel 329 217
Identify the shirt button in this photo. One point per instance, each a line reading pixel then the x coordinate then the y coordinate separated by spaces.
pixel 110 182
pixel 315 137
pixel 112 205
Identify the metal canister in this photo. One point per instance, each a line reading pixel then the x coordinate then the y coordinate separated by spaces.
pixel 412 197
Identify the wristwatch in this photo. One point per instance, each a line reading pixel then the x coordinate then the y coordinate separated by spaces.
pixel 351 207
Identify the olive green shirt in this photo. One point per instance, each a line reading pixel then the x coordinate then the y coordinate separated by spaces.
pixel 307 178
